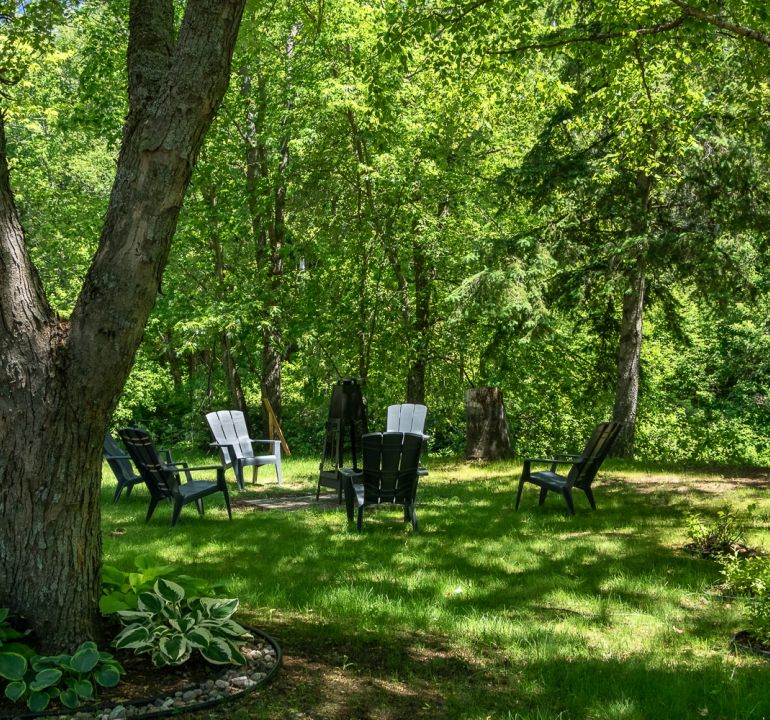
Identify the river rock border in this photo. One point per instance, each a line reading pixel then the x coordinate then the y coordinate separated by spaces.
pixel 263 660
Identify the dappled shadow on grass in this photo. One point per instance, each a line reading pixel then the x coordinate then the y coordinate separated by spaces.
pixel 486 611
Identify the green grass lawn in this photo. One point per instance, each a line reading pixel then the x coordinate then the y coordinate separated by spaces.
pixel 486 613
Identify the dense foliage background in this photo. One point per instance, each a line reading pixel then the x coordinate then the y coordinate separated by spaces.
pixel 435 198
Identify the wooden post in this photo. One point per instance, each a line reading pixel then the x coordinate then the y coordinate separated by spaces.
pixel 274 431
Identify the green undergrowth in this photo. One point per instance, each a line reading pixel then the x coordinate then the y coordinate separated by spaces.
pixel 487 612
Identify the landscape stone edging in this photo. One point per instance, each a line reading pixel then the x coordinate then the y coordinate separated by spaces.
pixel 231 685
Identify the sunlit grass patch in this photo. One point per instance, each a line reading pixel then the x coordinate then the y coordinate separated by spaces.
pixel 487 612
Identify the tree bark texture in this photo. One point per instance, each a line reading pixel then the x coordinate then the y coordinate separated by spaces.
pixel 487 435
pixel 630 347
pixel 421 327
pixel 629 355
pixel 60 379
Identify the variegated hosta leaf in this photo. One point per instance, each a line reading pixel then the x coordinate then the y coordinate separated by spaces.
pixel 134 616
pixel 133 637
pixel 199 637
pixel 219 609
pixel 238 659
pixel 183 624
pixel 169 590
pixel 219 652
pixel 175 648
pixel 228 627
pixel 150 602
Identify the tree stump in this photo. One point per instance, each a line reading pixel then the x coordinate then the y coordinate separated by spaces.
pixel 487 426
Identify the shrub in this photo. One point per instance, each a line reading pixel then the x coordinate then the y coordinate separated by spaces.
pixel 721 537
pixel 745 576
pixel 759 619
pixel 168 627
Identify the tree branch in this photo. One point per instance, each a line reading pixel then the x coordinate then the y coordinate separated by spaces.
pixel 723 23
pixel 150 43
pixel 558 41
pixel 24 309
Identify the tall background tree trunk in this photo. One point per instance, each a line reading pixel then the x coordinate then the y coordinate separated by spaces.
pixel 630 348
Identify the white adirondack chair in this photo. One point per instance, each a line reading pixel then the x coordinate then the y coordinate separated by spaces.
pixel 408 418
pixel 231 436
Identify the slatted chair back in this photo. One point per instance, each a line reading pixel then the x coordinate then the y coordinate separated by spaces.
pixel 582 474
pixel 161 481
pixel 117 459
pixel 390 463
pixel 406 418
pixel 229 428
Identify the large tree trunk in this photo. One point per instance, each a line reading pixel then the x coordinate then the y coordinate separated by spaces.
pixel 60 380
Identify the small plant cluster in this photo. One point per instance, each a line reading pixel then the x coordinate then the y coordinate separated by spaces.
pixel 121 590
pixel 723 536
pixel 38 679
pixel 749 577
pixel 169 626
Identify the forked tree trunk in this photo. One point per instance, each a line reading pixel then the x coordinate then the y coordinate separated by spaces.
pixel 60 379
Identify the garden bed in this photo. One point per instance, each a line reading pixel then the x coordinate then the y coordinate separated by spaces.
pixel 149 692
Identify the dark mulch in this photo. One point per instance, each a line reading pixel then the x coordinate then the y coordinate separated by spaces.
pixel 737 549
pixel 746 642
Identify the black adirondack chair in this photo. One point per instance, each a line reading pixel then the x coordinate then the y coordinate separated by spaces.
pixel 162 479
pixel 389 475
pixel 121 466
pixel 581 474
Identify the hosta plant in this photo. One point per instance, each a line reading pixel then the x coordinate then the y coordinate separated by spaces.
pixel 169 628
pixel 121 590
pixel 69 678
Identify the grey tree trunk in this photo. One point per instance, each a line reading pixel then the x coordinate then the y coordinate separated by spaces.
pixel 60 379
pixel 630 348
pixel 629 354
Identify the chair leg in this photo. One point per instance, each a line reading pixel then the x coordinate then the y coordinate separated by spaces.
pixel 350 498
pixel 118 490
pixel 278 473
pixel 413 514
pixel 360 520
pixel 227 502
pixel 177 509
pixel 151 508
pixel 129 488
pixel 543 493
pixel 238 467
pixel 254 475
pixel 590 495
pixel 568 500
pixel 199 505
pixel 518 494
